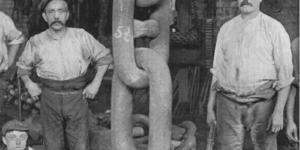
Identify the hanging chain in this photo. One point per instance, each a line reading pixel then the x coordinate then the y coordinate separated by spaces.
pixel 139 68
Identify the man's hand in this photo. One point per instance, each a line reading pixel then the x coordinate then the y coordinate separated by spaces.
pixel 4 66
pixel 291 131
pixel 276 122
pixel 34 90
pixel 211 117
pixel 90 90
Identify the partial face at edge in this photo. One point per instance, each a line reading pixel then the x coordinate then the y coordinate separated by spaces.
pixel 15 140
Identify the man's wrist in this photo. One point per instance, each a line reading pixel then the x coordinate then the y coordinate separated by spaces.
pixel 27 83
pixel 278 111
pixel 96 82
pixel 290 120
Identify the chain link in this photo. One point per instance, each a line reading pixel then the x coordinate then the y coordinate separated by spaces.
pixel 138 68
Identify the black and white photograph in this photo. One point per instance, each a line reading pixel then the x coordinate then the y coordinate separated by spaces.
pixel 149 74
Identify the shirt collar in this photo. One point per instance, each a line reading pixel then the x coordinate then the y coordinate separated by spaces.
pixel 255 19
pixel 52 38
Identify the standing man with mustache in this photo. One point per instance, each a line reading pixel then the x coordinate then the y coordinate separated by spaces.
pixel 61 56
pixel 252 73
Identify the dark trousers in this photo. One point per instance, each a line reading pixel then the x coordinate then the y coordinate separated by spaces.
pixel 234 119
pixel 64 115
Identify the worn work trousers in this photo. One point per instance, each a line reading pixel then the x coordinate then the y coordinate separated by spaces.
pixel 64 115
pixel 234 119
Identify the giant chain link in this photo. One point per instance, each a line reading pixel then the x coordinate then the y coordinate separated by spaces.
pixel 139 68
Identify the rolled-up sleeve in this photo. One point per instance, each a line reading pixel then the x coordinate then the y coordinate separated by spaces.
pixel 282 57
pixel 218 54
pixel 12 34
pixel 100 55
pixel 27 60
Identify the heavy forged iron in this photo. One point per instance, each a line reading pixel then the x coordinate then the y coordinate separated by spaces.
pixel 154 73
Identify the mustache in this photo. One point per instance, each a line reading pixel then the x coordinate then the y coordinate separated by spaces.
pixel 57 21
pixel 245 2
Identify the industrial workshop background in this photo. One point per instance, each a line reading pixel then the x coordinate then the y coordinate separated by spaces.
pixel 193 30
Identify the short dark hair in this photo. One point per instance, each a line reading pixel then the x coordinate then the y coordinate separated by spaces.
pixel 44 3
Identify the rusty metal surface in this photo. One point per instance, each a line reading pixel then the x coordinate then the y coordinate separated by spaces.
pixel 139 68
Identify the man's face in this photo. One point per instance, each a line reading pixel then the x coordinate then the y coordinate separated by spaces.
pixel 249 6
pixel 56 14
pixel 15 140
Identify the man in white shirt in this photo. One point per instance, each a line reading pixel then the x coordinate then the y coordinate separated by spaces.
pixel 252 73
pixel 10 41
pixel 61 56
